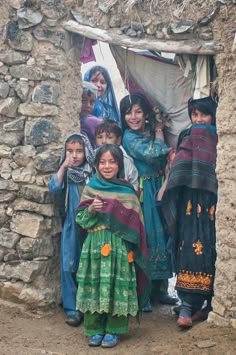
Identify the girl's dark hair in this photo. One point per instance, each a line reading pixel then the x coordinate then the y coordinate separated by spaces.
pixel 109 126
pixel 100 70
pixel 75 138
pixel 205 105
pixel 115 151
pixel 129 101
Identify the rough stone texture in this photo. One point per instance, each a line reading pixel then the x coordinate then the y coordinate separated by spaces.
pixel 35 297
pixel 8 185
pixel 5 169
pixel 36 193
pixel 37 109
pixel 11 291
pixel 23 155
pixel 46 93
pixel 11 139
pixel 47 162
pixel 4 89
pixel 11 255
pixel 28 18
pixel 9 106
pixel 34 73
pixel 30 224
pixel 52 59
pixel 30 249
pixel 22 89
pixel 218 320
pixel 25 271
pixel 25 205
pixel 16 125
pixel 25 174
pixel 11 57
pixel 3 217
pixel 58 38
pixel 3 69
pixel 41 131
pixel 5 151
pixel 21 41
pixel 8 239
pixel 7 196
pixel 54 9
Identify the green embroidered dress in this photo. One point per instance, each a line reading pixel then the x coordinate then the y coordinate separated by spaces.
pixel 113 271
pixel 107 283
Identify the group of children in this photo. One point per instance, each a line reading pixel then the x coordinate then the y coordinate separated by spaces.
pixel 135 213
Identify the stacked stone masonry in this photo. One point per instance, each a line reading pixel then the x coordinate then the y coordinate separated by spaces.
pixel 40 90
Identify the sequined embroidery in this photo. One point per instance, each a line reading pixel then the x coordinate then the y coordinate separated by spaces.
pixel 189 208
pixel 194 280
pixel 198 247
pixel 212 213
pixel 199 210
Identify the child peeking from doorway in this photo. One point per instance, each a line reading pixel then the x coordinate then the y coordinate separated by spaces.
pixel 108 132
pixel 188 205
pixel 88 122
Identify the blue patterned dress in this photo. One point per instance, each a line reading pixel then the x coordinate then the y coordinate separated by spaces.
pixel 150 160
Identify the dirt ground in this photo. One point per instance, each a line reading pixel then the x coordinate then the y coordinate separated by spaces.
pixel 22 333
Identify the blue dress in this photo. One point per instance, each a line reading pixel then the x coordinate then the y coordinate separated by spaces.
pixel 150 160
pixel 70 244
pixel 105 106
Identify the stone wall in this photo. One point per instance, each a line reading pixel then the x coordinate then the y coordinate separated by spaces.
pixel 39 103
pixel 40 89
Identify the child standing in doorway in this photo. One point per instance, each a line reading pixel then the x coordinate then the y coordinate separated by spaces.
pixel 143 139
pixel 108 132
pixel 189 204
pixel 75 171
pixel 88 122
pixel 113 268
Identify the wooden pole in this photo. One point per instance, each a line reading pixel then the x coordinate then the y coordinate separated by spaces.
pixel 180 47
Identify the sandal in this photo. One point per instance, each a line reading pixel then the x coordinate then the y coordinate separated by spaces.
pixel 95 340
pixel 184 322
pixel 110 340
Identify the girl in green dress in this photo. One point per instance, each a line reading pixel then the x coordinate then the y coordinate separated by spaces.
pixel 113 270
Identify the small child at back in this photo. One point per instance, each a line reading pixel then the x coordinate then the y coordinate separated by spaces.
pixel 108 132
pixel 88 122
pixel 74 172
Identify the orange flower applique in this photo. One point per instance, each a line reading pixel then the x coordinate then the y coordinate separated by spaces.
pixel 188 209
pixel 199 210
pixel 198 247
pixel 106 249
pixel 212 213
pixel 131 257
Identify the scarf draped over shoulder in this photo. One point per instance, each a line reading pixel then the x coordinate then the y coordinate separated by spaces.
pixel 122 213
pixel 194 166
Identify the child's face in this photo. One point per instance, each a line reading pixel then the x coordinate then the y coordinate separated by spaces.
pixel 75 151
pixel 107 138
pixel 88 102
pixel 200 117
pixel 135 118
pixel 99 81
pixel 108 167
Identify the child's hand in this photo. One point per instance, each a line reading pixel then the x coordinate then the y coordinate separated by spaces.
pixel 69 161
pixel 96 205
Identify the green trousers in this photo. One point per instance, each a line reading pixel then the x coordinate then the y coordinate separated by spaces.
pixel 96 323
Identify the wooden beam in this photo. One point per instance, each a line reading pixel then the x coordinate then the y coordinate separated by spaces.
pixel 180 47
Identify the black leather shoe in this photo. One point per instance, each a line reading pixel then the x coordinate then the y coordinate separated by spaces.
pixel 74 321
pixel 164 298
